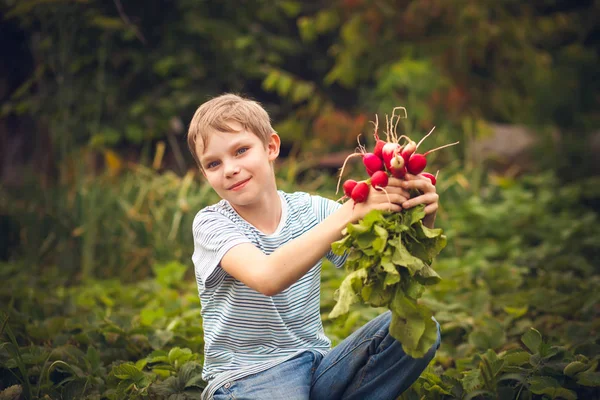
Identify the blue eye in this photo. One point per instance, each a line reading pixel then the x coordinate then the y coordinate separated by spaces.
pixel 242 150
pixel 212 164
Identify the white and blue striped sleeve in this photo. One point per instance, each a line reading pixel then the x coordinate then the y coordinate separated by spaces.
pixel 323 208
pixel 214 235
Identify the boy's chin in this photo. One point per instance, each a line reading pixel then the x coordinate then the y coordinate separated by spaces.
pixel 240 199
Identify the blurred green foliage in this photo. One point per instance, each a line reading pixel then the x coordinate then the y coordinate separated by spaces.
pixel 511 264
pixel 106 73
pixel 98 289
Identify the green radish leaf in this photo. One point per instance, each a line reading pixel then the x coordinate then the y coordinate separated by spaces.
pixel 427 276
pixel 380 295
pixel 402 257
pixel 415 214
pixel 391 273
pixel 346 294
pixel 413 289
pixel 366 292
pixel 354 229
pixel 389 264
pixel 339 247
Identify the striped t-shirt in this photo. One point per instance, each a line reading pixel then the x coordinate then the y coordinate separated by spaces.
pixel 246 332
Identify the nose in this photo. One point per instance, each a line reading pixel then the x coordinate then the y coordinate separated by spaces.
pixel 231 169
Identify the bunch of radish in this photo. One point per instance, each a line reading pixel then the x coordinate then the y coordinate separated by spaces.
pixel 390 255
pixel 389 158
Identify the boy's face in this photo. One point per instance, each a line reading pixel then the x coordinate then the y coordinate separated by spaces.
pixel 237 165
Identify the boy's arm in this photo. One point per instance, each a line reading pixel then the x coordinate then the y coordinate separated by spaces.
pixel 271 274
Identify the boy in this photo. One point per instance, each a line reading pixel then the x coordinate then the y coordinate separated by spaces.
pixel 257 257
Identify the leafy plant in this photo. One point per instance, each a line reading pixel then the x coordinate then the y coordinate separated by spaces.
pixel 389 264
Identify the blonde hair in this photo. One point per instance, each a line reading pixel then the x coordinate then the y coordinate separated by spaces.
pixel 214 116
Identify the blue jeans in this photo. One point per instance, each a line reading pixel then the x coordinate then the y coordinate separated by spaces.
pixel 368 365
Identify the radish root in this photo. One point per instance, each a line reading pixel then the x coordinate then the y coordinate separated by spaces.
pixel 343 167
pixel 421 141
pixel 439 148
pixel 387 195
pixel 376 124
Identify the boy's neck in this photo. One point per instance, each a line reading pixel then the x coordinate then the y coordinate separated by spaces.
pixel 265 214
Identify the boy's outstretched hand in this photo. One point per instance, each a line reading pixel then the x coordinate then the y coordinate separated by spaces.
pixel 379 200
pixel 399 195
pixel 428 197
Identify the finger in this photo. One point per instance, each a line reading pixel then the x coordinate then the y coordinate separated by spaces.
pixel 414 177
pixel 428 198
pixel 431 208
pixel 396 190
pixel 424 185
pixel 396 198
pixel 389 207
pixel 395 182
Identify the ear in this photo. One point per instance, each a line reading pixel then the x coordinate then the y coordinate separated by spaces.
pixel 273 146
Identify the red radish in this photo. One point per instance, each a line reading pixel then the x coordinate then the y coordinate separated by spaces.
pixel 397 167
pixel 408 150
pixel 379 179
pixel 378 148
pixel 360 192
pixel 372 163
pixel 388 151
pixel 398 172
pixel 348 186
pixel 430 176
pixel 417 162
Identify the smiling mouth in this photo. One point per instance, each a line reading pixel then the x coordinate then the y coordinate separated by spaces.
pixel 239 184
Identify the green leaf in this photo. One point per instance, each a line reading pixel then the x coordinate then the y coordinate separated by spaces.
pixel 402 257
pixel 346 294
pixel 472 380
pixel 380 294
pixel 415 214
pixel 391 273
pixel 588 378
pixel 127 371
pixel 546 385
pixel 339 247
pixel 357 229
pixel 413 289
pixel 516 312
pixel 372 218
pixel 574 368
pixel 178 356
pixel 427 276
pixel 366 240
pixel 412 325
pixel 381 240
pixel 94 358
pixel 159 338
pixel 532 339
pixel 516 358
